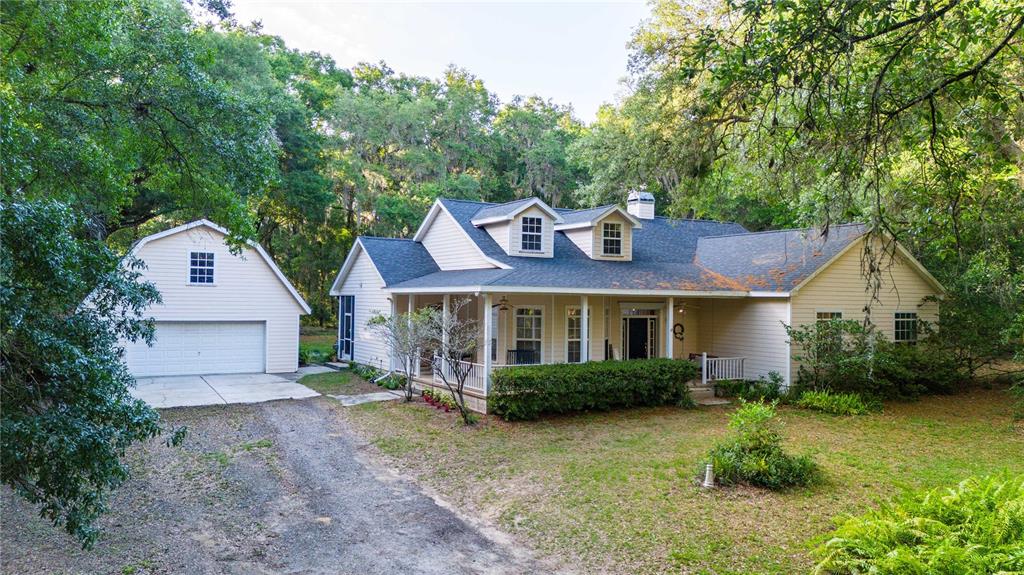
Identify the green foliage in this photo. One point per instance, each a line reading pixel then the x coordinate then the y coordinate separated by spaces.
pixel 975 528
pixel 837 403
pixel 763 389
pixel 843 355
pixel 526 392
pixel 367 372
pixel 1017 393
pixel 754 454
pixel 68 417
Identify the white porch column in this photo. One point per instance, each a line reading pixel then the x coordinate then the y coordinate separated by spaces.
pixel 445 310
pixel 488 331
pixel 584 330
pixel 670 320
pixel 412 308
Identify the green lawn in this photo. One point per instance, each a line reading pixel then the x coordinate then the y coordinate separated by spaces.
pixel 338 383
pixel 616 492
pixel 318 340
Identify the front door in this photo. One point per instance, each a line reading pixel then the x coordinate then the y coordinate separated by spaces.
pixel 638 333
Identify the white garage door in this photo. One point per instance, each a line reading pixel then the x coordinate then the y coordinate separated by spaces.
pixel 191 348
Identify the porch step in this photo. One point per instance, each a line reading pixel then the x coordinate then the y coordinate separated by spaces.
pixel 336 365
pixel 702 395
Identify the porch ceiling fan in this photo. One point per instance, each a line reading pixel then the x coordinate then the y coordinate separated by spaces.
pixel 502 304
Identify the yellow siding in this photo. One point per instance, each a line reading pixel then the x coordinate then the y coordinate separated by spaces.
pixel 627 239
pixel 449 246
pixel 546 240
pixel 842 287
pixel 752 328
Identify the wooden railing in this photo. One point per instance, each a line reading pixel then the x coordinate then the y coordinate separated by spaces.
pixel 475 380
pixel 713 368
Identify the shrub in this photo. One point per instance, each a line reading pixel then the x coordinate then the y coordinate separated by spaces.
pixel 766 389
pixel 364 371
pixel 837 403
pixel 844 356
pixel 975 528
pixel 754 453
pixel 525 392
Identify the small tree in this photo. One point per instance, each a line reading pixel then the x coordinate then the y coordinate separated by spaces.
pixel 453 336
pixel 407 336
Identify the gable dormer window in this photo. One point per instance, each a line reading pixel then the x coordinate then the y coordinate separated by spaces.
pixel 200 268
pixel 532 233
pixel 611 239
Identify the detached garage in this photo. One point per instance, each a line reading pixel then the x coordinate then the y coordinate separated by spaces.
pixel 221 312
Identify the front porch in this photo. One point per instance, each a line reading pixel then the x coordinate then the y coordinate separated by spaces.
pixel 530 328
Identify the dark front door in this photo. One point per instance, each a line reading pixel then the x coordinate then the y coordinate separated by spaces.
pixel 637 331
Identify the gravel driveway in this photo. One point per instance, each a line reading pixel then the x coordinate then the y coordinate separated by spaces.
pixel 278 487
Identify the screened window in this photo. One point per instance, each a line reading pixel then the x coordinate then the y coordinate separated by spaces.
pixel 531 234
pixel 200 268
pixel 529 333
pixel 611 239
pixel 905 328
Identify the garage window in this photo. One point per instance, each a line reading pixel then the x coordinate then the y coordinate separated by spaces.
pixel 200 268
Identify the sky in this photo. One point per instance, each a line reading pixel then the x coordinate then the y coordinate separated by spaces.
pixel 571 52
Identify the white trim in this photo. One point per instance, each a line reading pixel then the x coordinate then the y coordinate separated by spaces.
pixel 511 215
pixel 789 345
pixel 497 289
pixel 346 267
pixel 621 238
pixel 645 305
pixel 515 326
pixel 188 268
pixel 207 223
pixel 917 320
pixel 432 214
pixel 584 341
pixel 634 221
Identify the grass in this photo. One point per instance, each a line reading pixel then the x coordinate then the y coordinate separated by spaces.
pixel 338 383
pixel 318 340
pixel 615 492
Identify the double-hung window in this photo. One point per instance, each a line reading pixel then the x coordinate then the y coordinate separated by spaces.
pixel 531 236
pixel 200 268
pixel 529 334
pixel 574 335
pixel 830 337
pixel 611 239
pixel 905 327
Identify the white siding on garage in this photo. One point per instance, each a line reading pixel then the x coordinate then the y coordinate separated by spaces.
pixel 448 245
pixel 364 282
pixel 751 327
pixel 245 289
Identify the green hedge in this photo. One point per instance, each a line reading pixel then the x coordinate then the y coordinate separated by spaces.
pixel 525 392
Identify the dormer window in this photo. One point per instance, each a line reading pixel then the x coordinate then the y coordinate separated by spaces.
pixel 532 233
pixel 200 268
pixel 611 239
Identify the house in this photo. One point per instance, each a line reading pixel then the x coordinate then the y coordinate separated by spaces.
pixel 555 285
pixel 221 312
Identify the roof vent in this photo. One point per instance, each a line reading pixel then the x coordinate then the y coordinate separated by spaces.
pixel 641 204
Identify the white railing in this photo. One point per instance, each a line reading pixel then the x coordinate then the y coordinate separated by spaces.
pixel 475 380
pixel 712 368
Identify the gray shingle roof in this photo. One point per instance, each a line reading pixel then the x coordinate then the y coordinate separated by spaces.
pixel 498 210
pixel 581 216
pixel 398 260
pixel 692 255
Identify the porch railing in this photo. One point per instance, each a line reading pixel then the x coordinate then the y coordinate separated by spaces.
pixel 714 368
pixel 475 380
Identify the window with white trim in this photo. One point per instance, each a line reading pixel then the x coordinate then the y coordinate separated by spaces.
pixel 828 315
pixel 529 333
pixel 200 268
pixel 905 327
pixel 573 335
pixel 531 236
pixel 611 239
